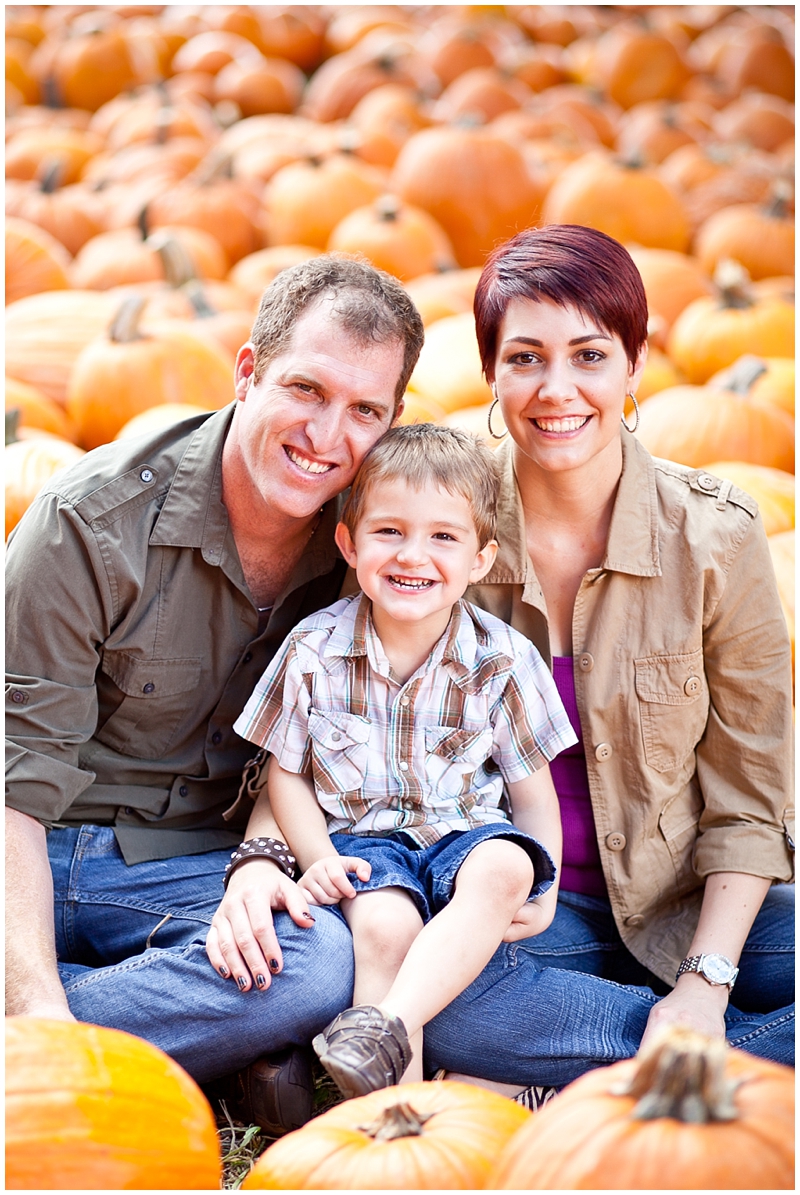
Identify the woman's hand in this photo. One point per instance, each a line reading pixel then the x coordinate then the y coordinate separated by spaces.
pixel 693 1002
pixel 325 882
pixel 242 943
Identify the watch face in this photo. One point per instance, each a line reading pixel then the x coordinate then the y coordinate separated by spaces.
pixel 717 968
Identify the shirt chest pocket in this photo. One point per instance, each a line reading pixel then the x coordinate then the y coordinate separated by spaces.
pixel 339 751
pixel 673 707
pixel 452 755
pixel 156 696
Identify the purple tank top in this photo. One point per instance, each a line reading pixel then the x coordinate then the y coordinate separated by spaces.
pixel 581 870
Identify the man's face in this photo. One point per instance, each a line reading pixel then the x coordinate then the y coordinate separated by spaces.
pixel 301 432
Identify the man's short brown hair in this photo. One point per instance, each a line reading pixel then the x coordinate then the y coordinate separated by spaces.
pixel 420 453
pixel 370 304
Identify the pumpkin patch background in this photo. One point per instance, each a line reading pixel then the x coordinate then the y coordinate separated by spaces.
pixel 164 162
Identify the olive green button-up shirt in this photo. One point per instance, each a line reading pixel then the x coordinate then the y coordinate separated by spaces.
pixel 682 673
pixel 133 644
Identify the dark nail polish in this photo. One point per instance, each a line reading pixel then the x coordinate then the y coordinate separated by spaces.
pixel 309 917
pixel 242 982
pixel 273 965
pixel 261 981
pixel 224 972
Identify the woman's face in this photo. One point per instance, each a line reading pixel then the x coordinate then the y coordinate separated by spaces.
pixel 561 380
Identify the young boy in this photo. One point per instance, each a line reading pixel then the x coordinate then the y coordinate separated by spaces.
pixel 401 723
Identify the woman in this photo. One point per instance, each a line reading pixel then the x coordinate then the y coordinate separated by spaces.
pixel 649 588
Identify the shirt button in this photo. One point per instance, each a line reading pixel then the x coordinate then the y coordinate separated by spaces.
pixel 586 662
pixel 128 809
pixel 216 736
pixel 403 766
pixel 692 686
pixel 183 790
pixel 17 697
pixel 616 841
pixel 707 482
pixel 149 687
pixel 405 700
pixel 336 736
pixel 603 751
pixel 635 920
pixel 146 475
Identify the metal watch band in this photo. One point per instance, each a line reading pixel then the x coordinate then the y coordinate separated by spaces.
pixel 695 963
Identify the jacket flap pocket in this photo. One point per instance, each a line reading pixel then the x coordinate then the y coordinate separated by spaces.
pixel 338 730
pixel 671 680
pixel 151 678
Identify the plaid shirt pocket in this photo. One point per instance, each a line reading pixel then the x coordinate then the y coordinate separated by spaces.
pixel 339 751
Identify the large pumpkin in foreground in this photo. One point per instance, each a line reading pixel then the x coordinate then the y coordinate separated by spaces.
pixel 687 1113
pixel 418 1137
pixel 96 1109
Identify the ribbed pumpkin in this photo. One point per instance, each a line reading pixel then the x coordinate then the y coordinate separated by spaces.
pixel 28 465
pixel 89 1108
pixel 659 374
pixel 253 274
pixel 156 418
pixel 305 201
pixel 45 334
pixel 130 369
pixel 419 1136
pixel 397 237
pixel 448 371
pixel 126 256
pixel 688 1113
pixel 761 238
pixel 632 63
pixel 773 490
pixel 35 410
pixel 35 260
pixel 712 333
pixel 696 424
pixel 436 296
pixel 764 379
pixel 625 201
pixel 85 69
pixel 227 208
pixel 30 150
pixel 473 182
pixel 264 85
pixel 71 214
pixel 671 282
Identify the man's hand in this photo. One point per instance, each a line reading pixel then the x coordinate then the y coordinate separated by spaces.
pixel 325 882
pixel 692 1002
pixel 241 943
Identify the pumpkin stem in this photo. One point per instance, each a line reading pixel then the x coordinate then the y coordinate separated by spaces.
pixel 214 166
pixel 178 265
pixel 778 206
pixel 400 1120
pixel 125 325
pixel 50 174
pixel 143 224
pixel 743 374
pixel 681 1075
pixel 387 208
pixel 12 424
pixel 732 281
pixel 203 309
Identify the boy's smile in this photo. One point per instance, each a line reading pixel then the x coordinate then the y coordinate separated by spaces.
pixel 414 551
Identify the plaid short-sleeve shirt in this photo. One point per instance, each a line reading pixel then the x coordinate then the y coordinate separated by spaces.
pixel 427 756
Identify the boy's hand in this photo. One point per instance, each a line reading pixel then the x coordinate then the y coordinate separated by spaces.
pixel 241 943
pixel 325 882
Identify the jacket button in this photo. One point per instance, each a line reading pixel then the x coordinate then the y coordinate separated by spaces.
pixel 707 482
pixel 183 790
pixel 146 476
pixel 635 920
pixel 586 662
pixel 17 697
pixel 603 751
pixel 692 686
pixel 616 841
pixel 216 736
pixel 149 687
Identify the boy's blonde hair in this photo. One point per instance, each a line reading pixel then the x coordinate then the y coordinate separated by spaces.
pixel 420 453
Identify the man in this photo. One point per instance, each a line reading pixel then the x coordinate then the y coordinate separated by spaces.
pixel 148 588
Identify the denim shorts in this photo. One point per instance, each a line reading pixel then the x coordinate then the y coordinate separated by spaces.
pixel 428 873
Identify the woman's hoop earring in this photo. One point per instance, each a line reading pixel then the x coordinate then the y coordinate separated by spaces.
pixel 632 397
pixel 494 434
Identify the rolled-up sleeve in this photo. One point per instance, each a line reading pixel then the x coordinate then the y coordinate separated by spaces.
pixel 59 606
pixel 744 760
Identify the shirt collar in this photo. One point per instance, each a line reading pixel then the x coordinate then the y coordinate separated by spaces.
pixel 633 534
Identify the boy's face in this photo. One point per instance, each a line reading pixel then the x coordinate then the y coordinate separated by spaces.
pixel 415 551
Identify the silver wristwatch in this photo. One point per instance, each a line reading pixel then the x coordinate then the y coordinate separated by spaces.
pixel 716 969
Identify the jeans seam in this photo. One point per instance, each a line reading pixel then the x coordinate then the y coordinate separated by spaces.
pixel 761 1030
pixel 135 964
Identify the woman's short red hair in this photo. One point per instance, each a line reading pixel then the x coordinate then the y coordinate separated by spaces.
pixel 566 264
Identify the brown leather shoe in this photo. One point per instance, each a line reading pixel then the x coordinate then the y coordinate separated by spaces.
pixel 363 1050
pixel 276 1092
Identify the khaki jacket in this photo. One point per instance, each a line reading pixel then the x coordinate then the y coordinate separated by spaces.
pixel 683 685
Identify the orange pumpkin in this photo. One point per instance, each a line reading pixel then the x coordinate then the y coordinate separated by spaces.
pixel 253 274
pixel 93 1108
pixel 438 295
pixel 35 260
pixel 671 282
pixel 28 465
pixel 475 420
pixel 764 379
pixel 420 1136
pixel 417 409
pixel 712 333
pixel 87 68
pixel 265 85
pixel 696 424
pixel 71 214
pixel 155 418
pixel 687 1113
pixel 143 368
pixel 29 150
pixel 384 119
pixel 303 202
pixel 449 371
pixel 632 63
pixel 761 238
pixel 35 411
pixel 773 490
pixel 473 182
pixel 402 239
pixel 227 208
pixel 623 200
pixel 485 92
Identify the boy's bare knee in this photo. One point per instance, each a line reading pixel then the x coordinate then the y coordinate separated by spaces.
pixel 503 867
pixel 384 926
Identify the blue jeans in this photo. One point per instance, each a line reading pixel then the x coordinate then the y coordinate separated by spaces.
pixel 549 1008
pixel 131 951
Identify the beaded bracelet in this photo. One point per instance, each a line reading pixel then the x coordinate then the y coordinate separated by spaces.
pixel 262 848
